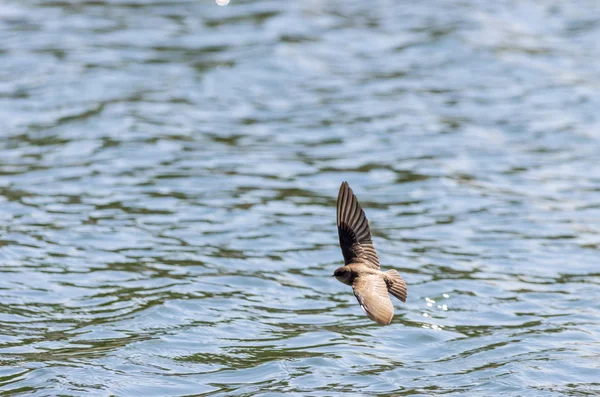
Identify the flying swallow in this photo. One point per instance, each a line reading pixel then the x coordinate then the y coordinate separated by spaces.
pixel 361 264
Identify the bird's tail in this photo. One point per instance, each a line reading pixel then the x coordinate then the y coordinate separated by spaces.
pixel 396 285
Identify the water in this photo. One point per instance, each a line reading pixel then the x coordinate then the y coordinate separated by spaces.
pixel 168 178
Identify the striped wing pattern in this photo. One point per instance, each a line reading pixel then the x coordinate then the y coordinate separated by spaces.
pixel 354 231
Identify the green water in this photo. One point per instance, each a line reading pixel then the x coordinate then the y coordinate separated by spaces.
pixel 168 176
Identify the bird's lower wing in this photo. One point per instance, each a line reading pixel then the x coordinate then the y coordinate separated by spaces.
pixel 372 294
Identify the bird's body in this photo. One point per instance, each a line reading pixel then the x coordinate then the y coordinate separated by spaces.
pixel 348 273
pixel 361 270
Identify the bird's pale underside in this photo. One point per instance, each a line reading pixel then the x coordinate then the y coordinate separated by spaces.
pixel 361 263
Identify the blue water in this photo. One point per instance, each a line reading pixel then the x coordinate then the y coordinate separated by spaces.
pixel 168 177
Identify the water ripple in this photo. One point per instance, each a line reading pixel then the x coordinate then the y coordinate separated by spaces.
pixel 168 180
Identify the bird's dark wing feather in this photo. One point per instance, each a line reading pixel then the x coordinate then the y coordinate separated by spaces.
pixel 372 294
pixel 354 231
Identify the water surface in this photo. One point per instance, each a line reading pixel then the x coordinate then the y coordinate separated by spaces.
pixel 168 176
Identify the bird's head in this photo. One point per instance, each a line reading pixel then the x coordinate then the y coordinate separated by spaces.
pixel 343 274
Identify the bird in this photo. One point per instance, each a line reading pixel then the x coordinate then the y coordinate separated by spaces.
pixel 361 268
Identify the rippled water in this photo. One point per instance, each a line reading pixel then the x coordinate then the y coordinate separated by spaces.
pixel 168 176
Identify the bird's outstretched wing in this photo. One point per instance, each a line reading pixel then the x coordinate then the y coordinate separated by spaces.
pixel 354 231
pixel 372 294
